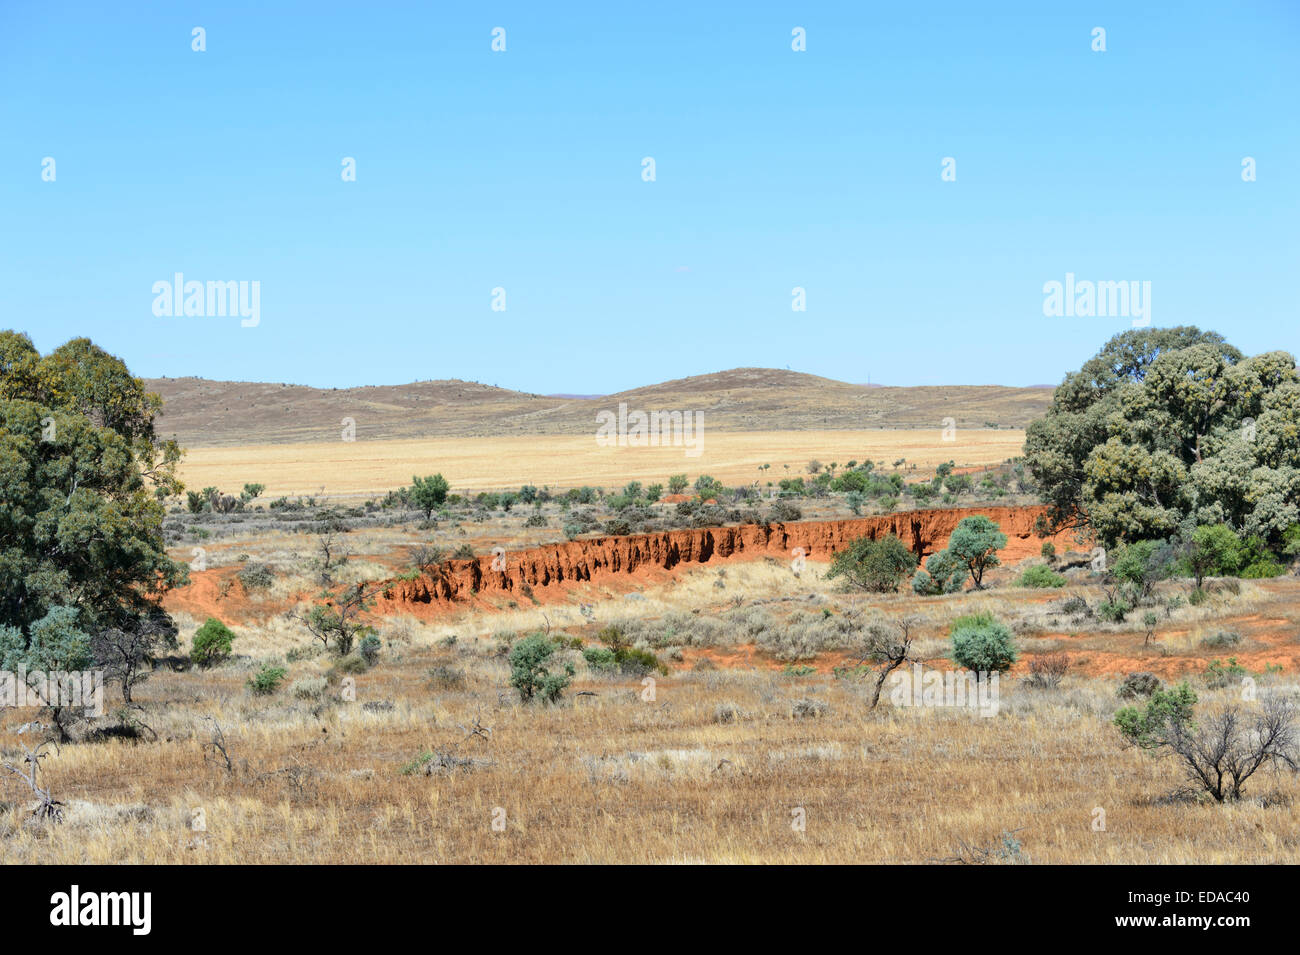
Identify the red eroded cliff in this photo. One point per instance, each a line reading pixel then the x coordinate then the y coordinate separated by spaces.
pixel 601 557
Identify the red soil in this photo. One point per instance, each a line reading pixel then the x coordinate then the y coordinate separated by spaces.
pixel 640 555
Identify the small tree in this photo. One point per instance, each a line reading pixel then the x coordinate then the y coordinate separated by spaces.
pixel 982 644
pixel 123 654
pixel 330 546
pixel 212 643
pixel 338 619
pixel 677 483
pixel 976 543
pixel 873 565
pixel 888 647
pixel 427 557
pixel 1226 751
pixel 1149 621
pixel 529 673
pixel 1214 549
pixel 56 643
pixel 943 573
pixel 429 493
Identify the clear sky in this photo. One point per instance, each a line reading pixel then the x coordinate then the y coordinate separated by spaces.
pixel 522 170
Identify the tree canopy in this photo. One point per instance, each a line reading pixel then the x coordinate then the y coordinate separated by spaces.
pixel 1167 425
pixel 82 477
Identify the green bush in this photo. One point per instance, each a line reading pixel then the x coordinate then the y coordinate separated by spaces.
pixel 267 680
pixel 874 565
pixel 976 542
pixel 981 643
pixel 211 643
pixel 636 662
pixel 943 574
pixel 428 493
pixel 1113 611
pixel 1041 576
pixel 369 648
pixel 529 673
pixel 599 658
pixel 1165 710
pixel 1219 674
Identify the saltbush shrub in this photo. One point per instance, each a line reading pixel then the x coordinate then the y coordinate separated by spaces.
pixel 982 643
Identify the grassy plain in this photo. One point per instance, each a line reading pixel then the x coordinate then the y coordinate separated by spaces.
pixel 494 463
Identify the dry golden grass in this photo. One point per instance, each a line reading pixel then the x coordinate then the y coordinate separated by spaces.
pixel 619 778
pixel 488 463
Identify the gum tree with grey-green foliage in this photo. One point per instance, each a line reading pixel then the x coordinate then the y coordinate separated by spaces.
pixel 1166 425
pixel 944 573
pixel 975 544
pixel 82 477
pixel 56 643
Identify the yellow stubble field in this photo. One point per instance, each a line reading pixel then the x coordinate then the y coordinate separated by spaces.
pixel 491 463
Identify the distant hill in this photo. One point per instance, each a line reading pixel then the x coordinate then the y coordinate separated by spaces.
pixel 203 413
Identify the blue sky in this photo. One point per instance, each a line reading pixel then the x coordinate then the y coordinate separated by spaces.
pixel 522 170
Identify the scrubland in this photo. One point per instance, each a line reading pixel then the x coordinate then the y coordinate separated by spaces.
pixel 757 745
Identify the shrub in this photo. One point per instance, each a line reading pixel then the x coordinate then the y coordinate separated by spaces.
pixel 447 678
pixel 267 680
pixel 943 574
pixel 637 662
pixel 1047 671
pixel 351 663
pixel 808 708
pixel 873 565
pixel 1113 611
pixel 529 673
pixel 599 658
pixel 1076 606
pixel 211 643
pixel 369 648
pixel 1219 674
pixel 1221 638
pixel 1220 755
pixel 784 512
pixel 1041 576
pixel 535 520
pixel 255 577
pixel 982 644
pixel 1140 684
pixel 728 713
pixel 309 688
pixel 1048 550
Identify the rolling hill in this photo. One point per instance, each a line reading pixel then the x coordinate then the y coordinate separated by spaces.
pixel 204 413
